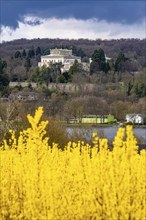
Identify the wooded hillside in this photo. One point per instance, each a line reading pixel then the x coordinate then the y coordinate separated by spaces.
pixel 133 48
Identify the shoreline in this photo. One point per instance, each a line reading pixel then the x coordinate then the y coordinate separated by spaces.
pixel 91 125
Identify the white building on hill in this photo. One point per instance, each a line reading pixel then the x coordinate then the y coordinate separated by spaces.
pixel 63 56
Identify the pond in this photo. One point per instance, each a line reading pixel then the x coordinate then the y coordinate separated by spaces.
pixel 107 132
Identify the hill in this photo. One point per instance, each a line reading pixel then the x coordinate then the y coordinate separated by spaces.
pixel 134 48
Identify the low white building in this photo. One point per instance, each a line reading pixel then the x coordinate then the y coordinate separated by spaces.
pixel 106 59
pixel 134 118
pixel 63 56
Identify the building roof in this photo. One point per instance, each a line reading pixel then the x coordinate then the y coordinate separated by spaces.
pixel 53 56
pixel 95 116
pixel 134 114
pixel 60 49
pixel 60 55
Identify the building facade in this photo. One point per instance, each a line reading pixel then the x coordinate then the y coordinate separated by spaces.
pixel 134 118
pixel 94 119
pixel 63 56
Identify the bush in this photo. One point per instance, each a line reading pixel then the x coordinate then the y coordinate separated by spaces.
pixel 40 181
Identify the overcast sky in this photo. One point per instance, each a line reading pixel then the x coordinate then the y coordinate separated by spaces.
pixel 92 19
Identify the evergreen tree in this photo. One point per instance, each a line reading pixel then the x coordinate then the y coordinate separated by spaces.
pixel 46 75
pixel 74 68
pixel 67 76
pixel 80 53
pixel 98 56
pixel 61 79
pixel 17 54
pixel 4 78
pixel 31 53
pixel 74 50
pixel 3 65
pixel 35 77
pixel 106 67
pixel 130 86
pixel 27 64
pixel 119 64
pixel 41 75
pixel 140 90
pixel 38 51
pixel 24 53
pixel 98 62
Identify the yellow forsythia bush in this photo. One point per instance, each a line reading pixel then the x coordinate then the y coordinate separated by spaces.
pixel 41 182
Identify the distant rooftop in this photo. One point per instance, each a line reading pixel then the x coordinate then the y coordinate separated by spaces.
pixel 53 55
pixel 61 51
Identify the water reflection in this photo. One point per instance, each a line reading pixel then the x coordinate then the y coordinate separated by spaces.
pixel 108 132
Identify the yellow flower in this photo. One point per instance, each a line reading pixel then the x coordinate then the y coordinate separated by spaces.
pixel 82 182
